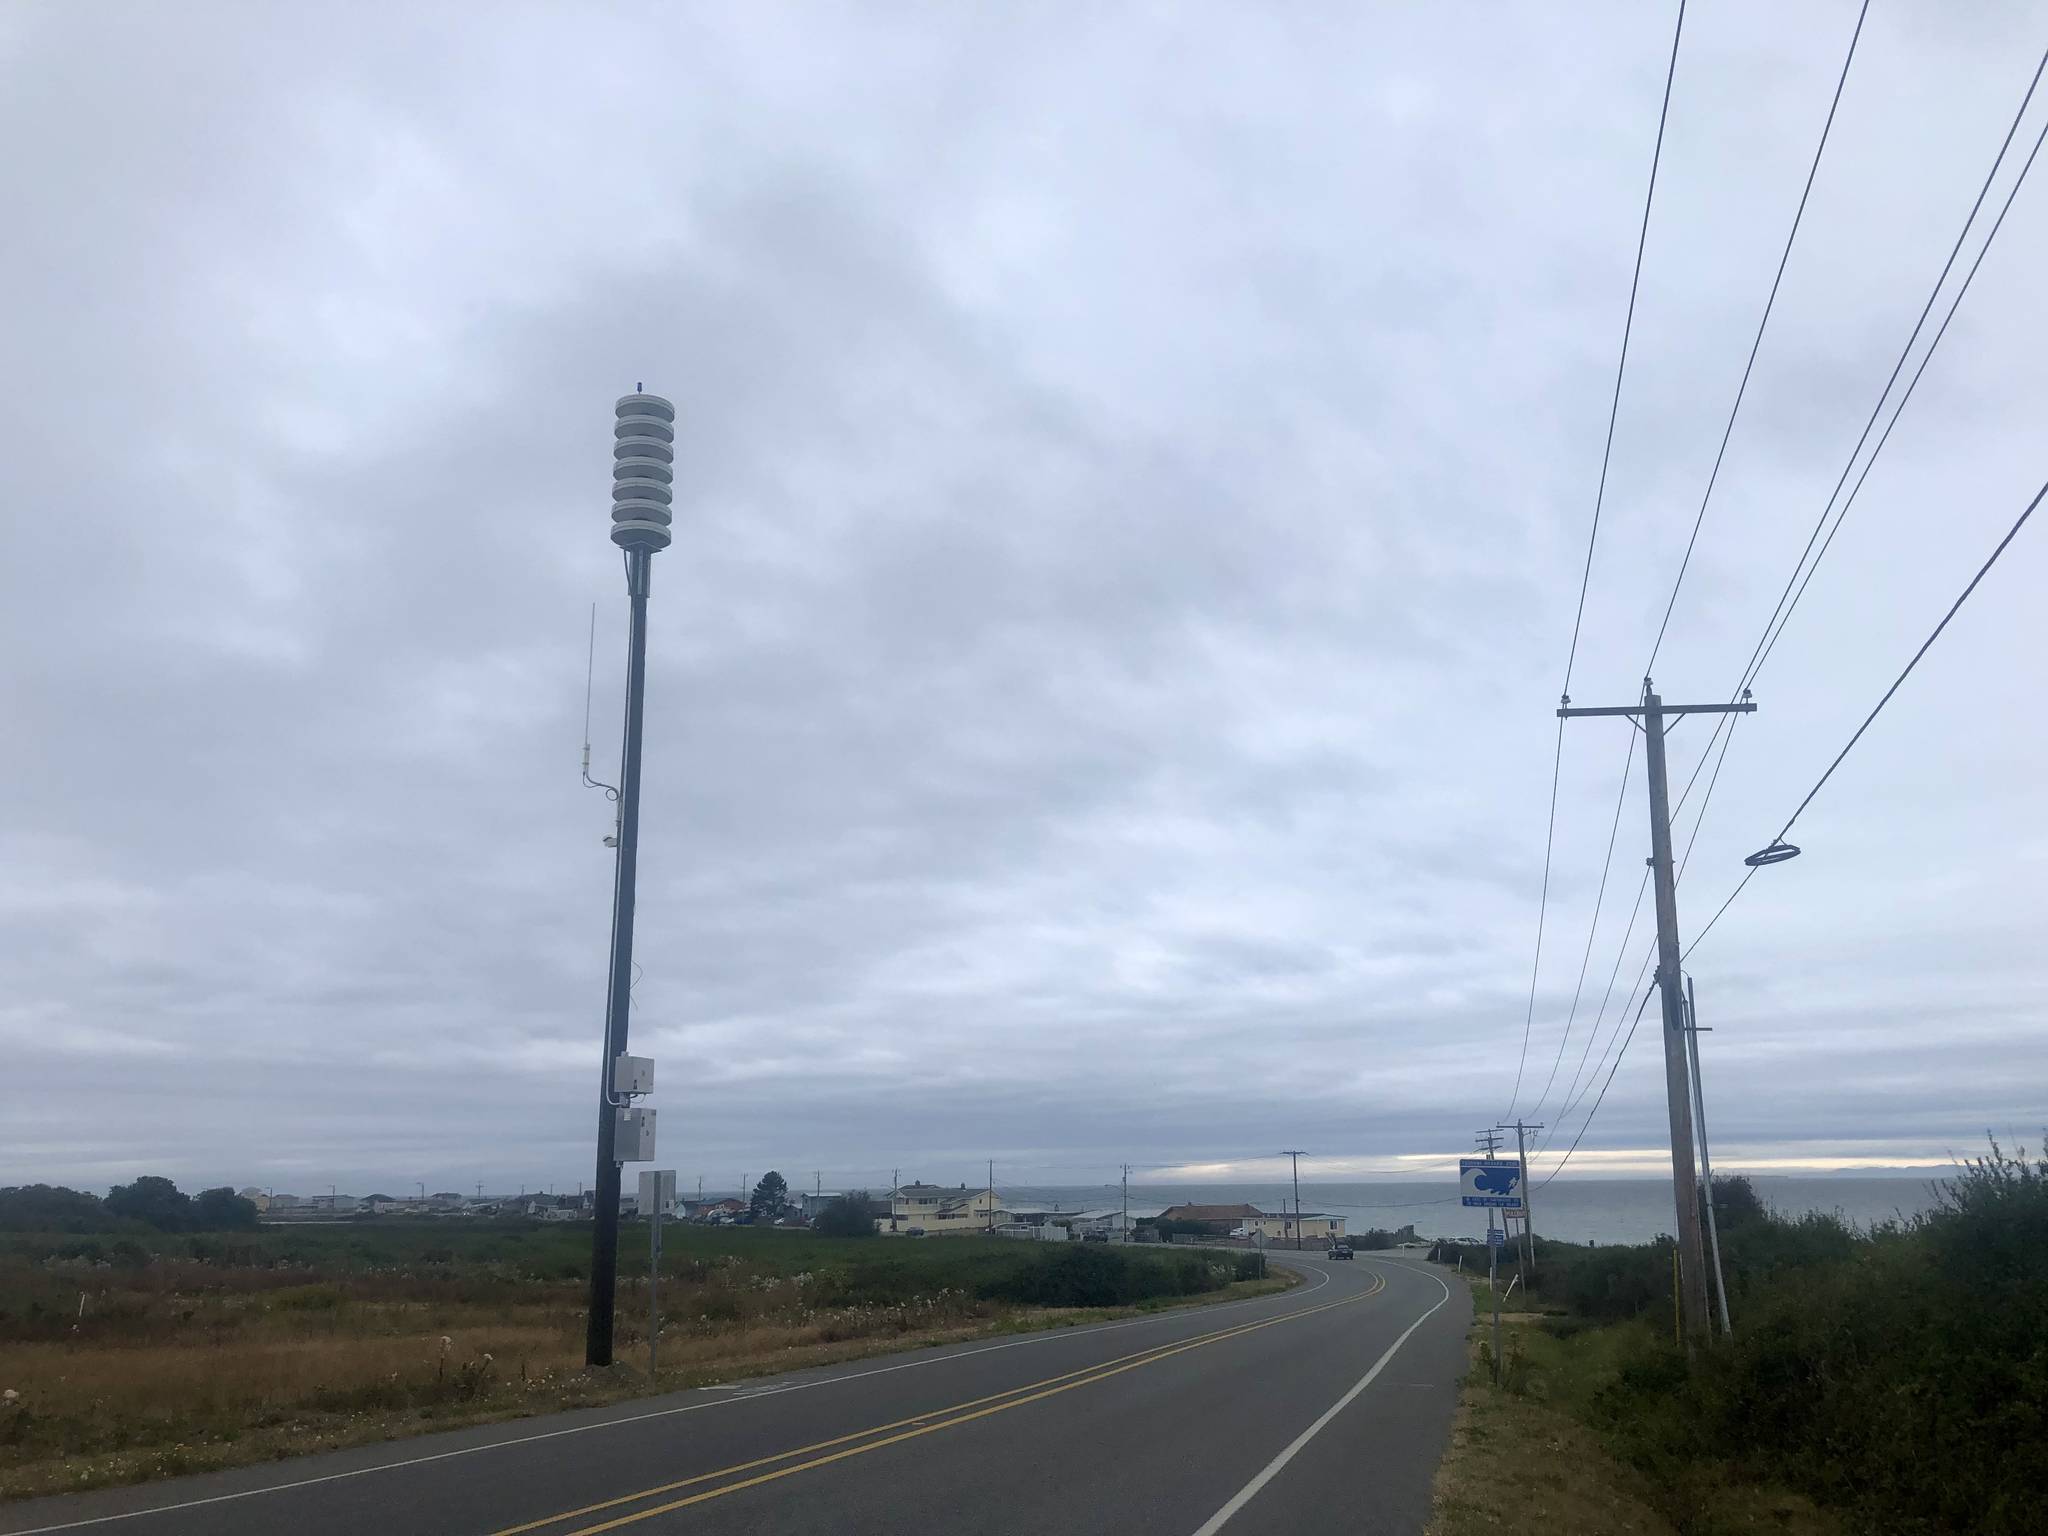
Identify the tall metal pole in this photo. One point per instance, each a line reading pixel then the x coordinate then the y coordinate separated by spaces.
pixel 1671 998
pixel 604 1249
pixel 1699 1114
pixel 642 451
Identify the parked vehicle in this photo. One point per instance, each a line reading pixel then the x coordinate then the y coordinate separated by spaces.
pixel 1340 1250
pixel 913 1231
pixel 1094 1237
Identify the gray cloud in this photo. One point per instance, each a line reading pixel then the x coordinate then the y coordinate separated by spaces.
pixel 1134 473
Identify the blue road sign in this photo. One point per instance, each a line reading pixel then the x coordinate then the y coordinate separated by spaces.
pixel 1495 1237
pixel 1491 1182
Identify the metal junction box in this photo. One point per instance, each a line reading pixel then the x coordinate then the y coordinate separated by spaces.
pixel 633 1137
pixel 632 1075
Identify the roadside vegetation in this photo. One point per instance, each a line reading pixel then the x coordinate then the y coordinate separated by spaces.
pixel 142 1350
pixel 1890 1382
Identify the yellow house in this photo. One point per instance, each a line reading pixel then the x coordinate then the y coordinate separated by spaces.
pixel 937 1210
pixel 1315 1227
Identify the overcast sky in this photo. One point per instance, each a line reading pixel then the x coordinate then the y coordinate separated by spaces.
pixel 1133 470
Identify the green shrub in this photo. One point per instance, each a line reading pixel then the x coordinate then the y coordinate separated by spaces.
pixel 1900 1375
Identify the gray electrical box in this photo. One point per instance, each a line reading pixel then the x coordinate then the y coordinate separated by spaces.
pixel 633 1136
pixel 632 1075
pixel 657 1192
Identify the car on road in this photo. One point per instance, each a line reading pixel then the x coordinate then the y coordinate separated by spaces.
pixel 1340 1250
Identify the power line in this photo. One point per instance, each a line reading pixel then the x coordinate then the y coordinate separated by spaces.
pixel 1713 479
pixel 1983 570
pixel 1781 612
pixel 1603 1092
pixel 1750 670
pixel 1755 345
pixel 1593 539
pixel 1925 645
pixel 1911 385
pixel 1592 931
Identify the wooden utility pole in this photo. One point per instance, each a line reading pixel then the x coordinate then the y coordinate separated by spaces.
pixel 1522 1128
pixel 1692 1261
pixel 1290 1152
pixel 1125 1233
pixel 991 1197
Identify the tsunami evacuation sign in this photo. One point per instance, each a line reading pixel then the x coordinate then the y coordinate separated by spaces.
pixel 1490 1182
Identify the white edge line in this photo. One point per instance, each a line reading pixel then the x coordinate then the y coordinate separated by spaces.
pixel 657 1413
pixel 1272 1469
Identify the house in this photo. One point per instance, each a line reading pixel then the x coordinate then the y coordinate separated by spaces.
pixel 1315 1227
pixel 937 1209
pixel 256 1197
pixel 1218 1219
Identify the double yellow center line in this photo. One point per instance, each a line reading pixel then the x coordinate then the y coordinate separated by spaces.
pixel 875 1437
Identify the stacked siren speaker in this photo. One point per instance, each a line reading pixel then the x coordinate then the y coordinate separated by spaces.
pixel 643 459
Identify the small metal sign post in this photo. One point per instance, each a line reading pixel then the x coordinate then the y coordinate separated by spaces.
pixel 657 1198
pixel 1493 1184
pixel 1494 1238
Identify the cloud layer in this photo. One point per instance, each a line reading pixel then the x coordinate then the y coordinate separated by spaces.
pixel 1133 476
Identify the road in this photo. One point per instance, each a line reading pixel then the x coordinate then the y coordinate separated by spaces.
pixel 1324 1409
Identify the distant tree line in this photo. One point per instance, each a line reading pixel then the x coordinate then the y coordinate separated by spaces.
pixel 150 1201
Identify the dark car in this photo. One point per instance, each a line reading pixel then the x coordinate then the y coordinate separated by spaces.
pixel 1340 1250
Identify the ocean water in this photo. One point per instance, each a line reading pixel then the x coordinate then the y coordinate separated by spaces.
pixel 1574 1210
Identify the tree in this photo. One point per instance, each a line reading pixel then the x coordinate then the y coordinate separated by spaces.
pixel 154 1200
pixel 771 1197
pixel 847 1216
pixel 50 1208
pixel 1736 1201
pixel 222 1210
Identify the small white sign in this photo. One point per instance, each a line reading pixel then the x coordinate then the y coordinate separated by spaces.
pixel 657 1192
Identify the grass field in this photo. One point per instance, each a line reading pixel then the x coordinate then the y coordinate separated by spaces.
pixel 137 1356
pixel 1529 1452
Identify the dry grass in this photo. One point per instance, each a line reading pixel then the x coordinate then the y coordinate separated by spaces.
pixel 1517 1464
pixel 178 1370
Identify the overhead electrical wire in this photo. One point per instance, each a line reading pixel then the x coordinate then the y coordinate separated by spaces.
pixel 1764 640
pixel 1592 540
pixel 1713 479
pixel 1767 642
pixel 1592 931
pixel 1763 324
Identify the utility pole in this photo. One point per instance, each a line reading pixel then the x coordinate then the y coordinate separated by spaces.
pixel 1699 1115
pixel 1488 1141
pixel 895 1189
pixel 1296 1155
pixel 1522 1129
pixel 643 448
pixel 991 1197
pixel 1125 1232
pixel 1678 1099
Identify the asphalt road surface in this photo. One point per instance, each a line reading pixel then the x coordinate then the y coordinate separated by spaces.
pixel 1323 1409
